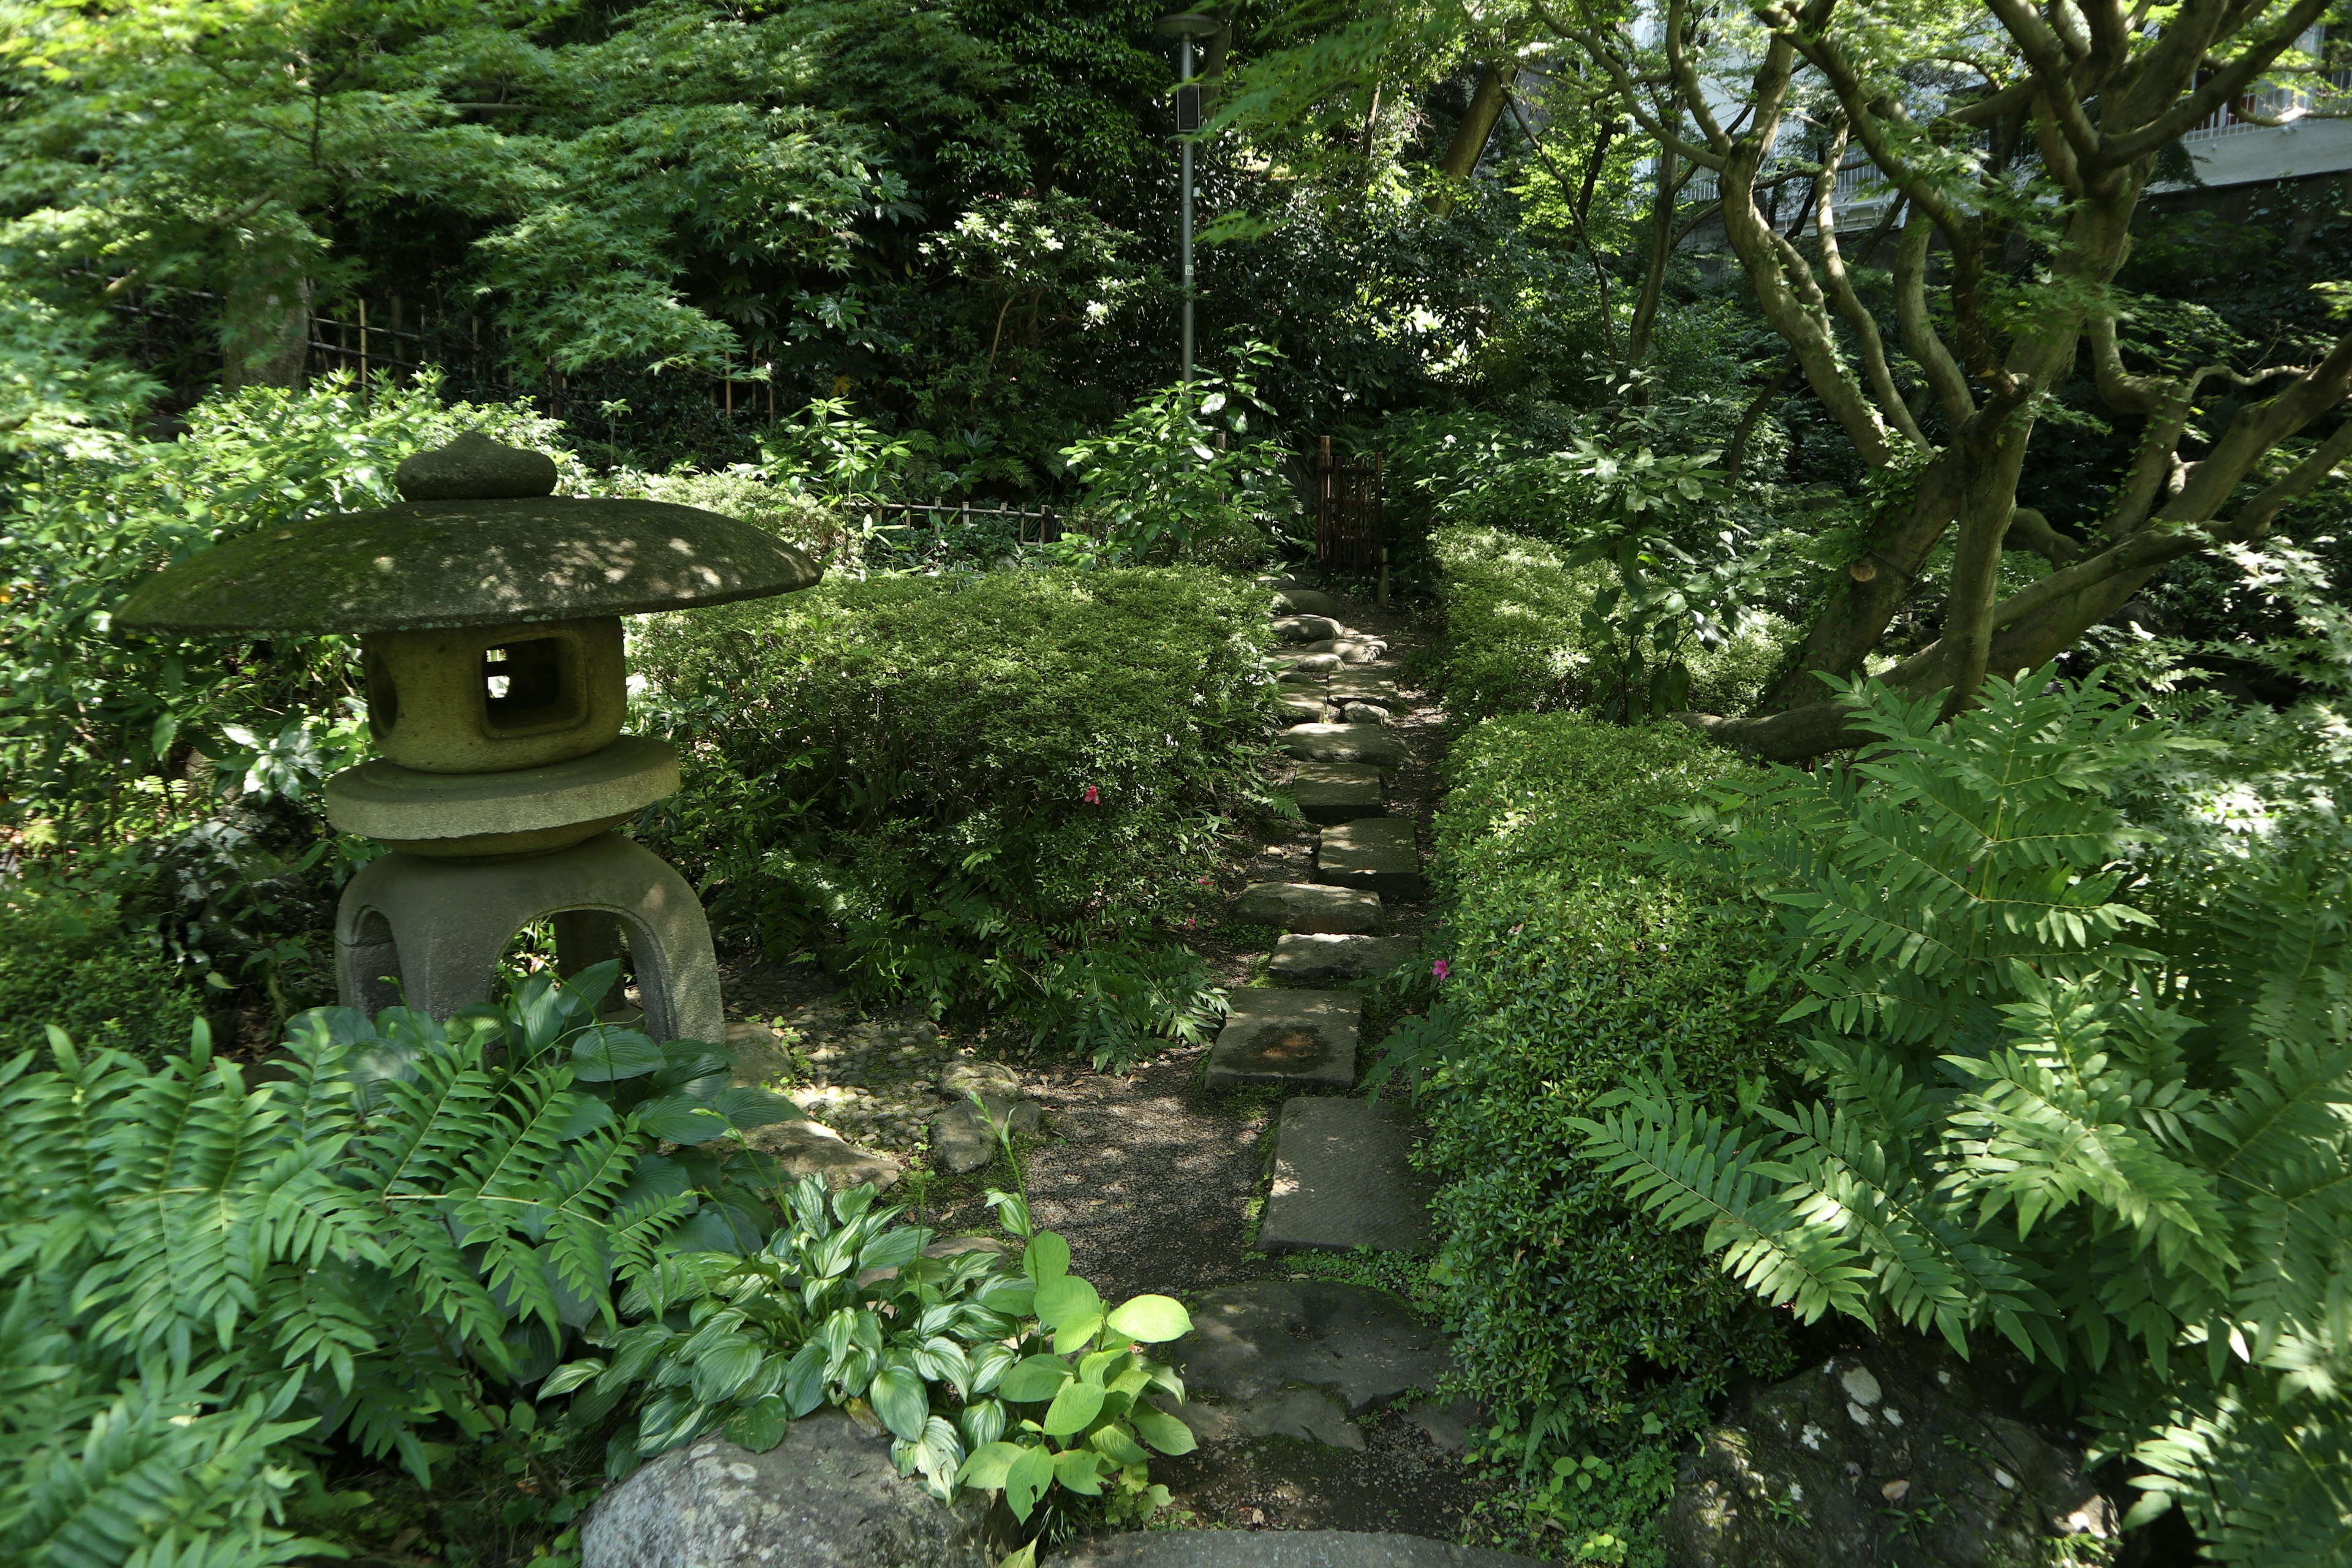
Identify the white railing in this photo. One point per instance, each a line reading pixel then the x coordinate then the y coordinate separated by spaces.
pixel 2263 108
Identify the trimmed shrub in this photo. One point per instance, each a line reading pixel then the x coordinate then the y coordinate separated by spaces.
pixel 968 788
pixel 90 978
pixel 1515 616
pixel 1574 960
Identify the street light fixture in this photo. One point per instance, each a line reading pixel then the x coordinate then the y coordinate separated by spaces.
pixel 1185 26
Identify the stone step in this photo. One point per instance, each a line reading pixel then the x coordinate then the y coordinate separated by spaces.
pixel 1307 630
pixel 1343 1179
pixel 1343 744
pixel 1264 1336
pixel 1302 708
pixel 1355 686
pixel 1308 663
pixel 1279 1549
pixel 1299 601
pixel 1294 1038
pixel 1300 956
pixel 1309 906
pixel 1379 853
pixel 1349 650
pixel 1303 679
pixel 1337 792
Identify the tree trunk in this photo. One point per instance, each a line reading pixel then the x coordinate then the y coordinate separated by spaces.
pixel 265 328
pixel 1477 128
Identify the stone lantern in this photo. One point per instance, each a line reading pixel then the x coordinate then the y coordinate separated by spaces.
pixel 488 614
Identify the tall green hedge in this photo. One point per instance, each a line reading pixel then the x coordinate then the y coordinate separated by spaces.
pixel 1516 641
pixel 90 977
pixel 1573 958
pixel 944 785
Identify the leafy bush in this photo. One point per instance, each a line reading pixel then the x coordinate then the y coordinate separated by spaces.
pixel 1522 637
pixel 2117 1141
pixel 990 1372
pixel 76 969
pixel 969 790
pixel 1574 962
pixel 205 1278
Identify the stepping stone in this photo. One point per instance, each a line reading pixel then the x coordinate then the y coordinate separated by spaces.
pixel 1279 1549
pixel 1343 1179
pixel 1298 1038
pixel 1308 907
pixel 812 1149
pixel 1362 714
pixel 1309 629
pixel 1300 956
pixel 1253 1340
pixel 1337 792
pixel 1354 686
pixel 1308 663
pixel 1378 852
pixel 1351 651
pixel 1302 1413
pixel 1293 601
pixel 1343 744
pixel 1310 680
pixel 1302 709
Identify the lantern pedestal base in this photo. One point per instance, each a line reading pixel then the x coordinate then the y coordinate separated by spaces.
pixel 437 927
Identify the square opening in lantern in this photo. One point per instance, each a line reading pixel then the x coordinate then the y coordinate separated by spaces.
pixel 532 686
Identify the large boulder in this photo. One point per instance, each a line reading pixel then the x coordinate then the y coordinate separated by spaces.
pixel 826 1496
pixel 1871 1459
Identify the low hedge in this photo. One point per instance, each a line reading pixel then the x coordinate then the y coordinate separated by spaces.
pixel 1572 959
pixel 100 984
pixel 1516 638
pixel 965 788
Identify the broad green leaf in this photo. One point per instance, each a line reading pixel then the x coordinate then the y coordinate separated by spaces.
pixel 989 1465
pixel 1161 1430
pixel 1038 1377
pixel 1079 1469
pixel 603 1055
pixel 1026 1482
pixel 1153 1319
pixel 901 1398
pixel 1072 1408
pixel 1113 1440
pixel 1045 1259
pixel 1067 1301
pixel 760 1428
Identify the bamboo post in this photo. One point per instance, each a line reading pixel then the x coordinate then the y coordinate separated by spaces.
pixel 727 368
pixel 363 352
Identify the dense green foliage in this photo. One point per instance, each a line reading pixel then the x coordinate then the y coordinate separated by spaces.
pixel 1572 961
pixel 2111 1135
pixel 1521 637
pixel 80 970
pixel 969 788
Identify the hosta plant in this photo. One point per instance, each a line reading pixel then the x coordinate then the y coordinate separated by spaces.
pixel 988 1369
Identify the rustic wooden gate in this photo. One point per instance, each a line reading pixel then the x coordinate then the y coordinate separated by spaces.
pixel 1346 492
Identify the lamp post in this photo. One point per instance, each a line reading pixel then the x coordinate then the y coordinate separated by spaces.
pixel 1184 26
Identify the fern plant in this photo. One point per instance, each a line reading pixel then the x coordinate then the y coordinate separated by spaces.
pixel 2036 1110
pixel 204 1278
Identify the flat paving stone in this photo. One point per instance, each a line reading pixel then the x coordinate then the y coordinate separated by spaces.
pixel 1253 1340
pixel 1300 1037
pixel 1295 601
pixel 1300 956
pixel 1306 1414
pixel 1343 744
pixel 1337 792
pixel 1379 853
pixel 1307 680
pixel 1351 687
pixel 1309 663
pixel 1343 1179
pixel 1302 709
pixel 1279 1549
pixel 1354 651
pixel 1309 906
pixel 1306 630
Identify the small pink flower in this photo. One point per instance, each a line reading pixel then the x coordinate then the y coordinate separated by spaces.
pixel 1094 796
pixel 1205 882
pixel 1441 969
pixel 1191 920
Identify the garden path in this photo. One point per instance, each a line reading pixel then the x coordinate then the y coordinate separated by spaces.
pixel 1235 1175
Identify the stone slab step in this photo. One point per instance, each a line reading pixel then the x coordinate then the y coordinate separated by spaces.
pixel 1304 680
pixel 1299 956
pixel 1343 744
pixel 1299 601
pixel 1337 792
pixel 1261 1337
pixel 1309 906
pixel 1302 709
pixel 1308 629
pixel 1296 1037
pixel 1379 853
pixel 1279 1549
pixel 1308 663
pixel 1353 686
pixel 1343 1179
